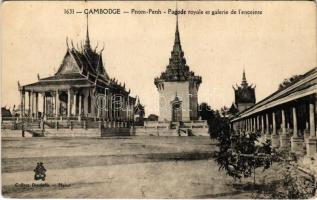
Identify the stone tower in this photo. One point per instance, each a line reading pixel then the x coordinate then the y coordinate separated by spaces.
pixel 244 94
pixel 178 87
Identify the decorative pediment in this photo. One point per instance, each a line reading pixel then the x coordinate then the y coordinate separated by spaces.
pixel 69 65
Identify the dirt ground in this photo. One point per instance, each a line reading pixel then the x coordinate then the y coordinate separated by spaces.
pixel 123 167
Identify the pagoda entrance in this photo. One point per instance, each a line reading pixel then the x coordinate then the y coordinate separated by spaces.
pixel 177 111
pixel 63 104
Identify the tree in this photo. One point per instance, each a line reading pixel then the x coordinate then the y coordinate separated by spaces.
pixel 152 117
pixel 215 120
pixel 205 111
pixel 233 111
pixel 240 154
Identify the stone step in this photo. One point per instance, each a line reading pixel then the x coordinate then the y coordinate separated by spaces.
pixel 35 132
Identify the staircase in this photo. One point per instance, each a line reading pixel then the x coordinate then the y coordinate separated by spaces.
pixel 34 128
pixel 49 124
pixel 35 132
pixel 185 132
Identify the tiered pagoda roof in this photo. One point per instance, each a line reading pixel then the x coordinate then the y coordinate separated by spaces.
pixel 81 67
pixel 304 85
pixel 244 93
pixel 177 69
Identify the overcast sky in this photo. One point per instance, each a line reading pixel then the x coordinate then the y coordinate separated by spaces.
pixel 275 45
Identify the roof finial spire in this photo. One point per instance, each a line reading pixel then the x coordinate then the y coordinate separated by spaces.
pixel 176 16
pixel 177 42
pixel 87 42
pixel 244 80
pixel 177 39
pixel 67 43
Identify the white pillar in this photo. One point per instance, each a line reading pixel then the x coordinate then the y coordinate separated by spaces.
pixel 312 120
pixel 36 104
pixel 283 122
pixel 44 105
pixel 106 105
pixel 311 142
pixel 275 138
pixel 274 124
pixel 79 105
pixel 284 139
pixel 56 104
pixel 32 104
pixel 21 103
pixel 74 104
pixel 267 124
pixel 295 130
pixel 68 104
pixel 296 141
pixel 29 111
pixel 262 124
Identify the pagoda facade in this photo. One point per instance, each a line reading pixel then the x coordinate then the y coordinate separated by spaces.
pixel 244 94
pixel 178 87
pixel 81 87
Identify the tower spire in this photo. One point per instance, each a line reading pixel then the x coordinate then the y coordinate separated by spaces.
pixel 244 80
pixel 87 42
pixel 177 41
pixel 177 38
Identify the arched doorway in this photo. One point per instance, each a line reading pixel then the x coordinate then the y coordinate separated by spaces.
pixel 176 110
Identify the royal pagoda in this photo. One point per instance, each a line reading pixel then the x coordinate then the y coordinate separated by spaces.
pixel 73 91
pixel 178 87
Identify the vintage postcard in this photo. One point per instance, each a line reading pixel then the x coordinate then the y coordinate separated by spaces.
pixel 158 99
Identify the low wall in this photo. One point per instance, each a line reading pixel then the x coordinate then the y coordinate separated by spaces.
pixel 163 128
pixel 141 131
pixel 106 132
pixel 14 133
pixel 146 131
pixel 66 132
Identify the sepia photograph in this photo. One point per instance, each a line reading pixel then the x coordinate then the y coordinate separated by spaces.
pixel 158 99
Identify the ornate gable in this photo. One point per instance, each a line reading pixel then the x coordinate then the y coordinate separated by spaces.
pixel 69 65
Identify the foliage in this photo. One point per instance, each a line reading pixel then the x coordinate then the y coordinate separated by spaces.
pixel 288 81
pixel 292 185
pixel 152 117
pixel 240 154
pixel 233 111
pixel 216 122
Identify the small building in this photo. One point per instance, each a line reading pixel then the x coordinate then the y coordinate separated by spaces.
pixel 178 87
pixel 244 95
pixel 139 113
pixel 178 100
